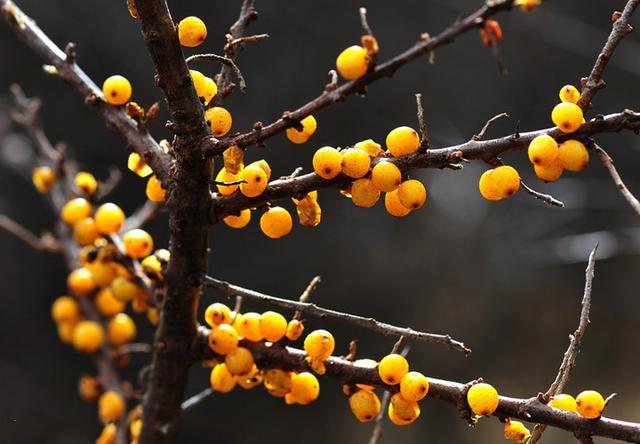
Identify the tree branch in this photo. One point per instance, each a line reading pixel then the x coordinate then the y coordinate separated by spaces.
pixel 607 161
pixel 46 242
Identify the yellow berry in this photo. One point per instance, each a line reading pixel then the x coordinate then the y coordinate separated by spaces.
pixel 210 90
pixel 87 337
pixel 394 206
pixel 528 5
pixel 573 155
pixel 88 388
pixel 563 402
pixel 80 281
pixel 353 62
pixel 516 431
pixel 404 409
pixel 191 31
pixel 567 116
pixel 121 329
pixel 309 126
pixel 364 405
pixel 221 379
pixel 216 314
pixel 135 428
pixel 123 289
pixel 402 141
pixel 239 361
pixel 65 331
pixel 392 368
pixel 501 182
pixel 305 388
pixel 154 190
pixel 225 176
pixel 295 328
pixel 386 176
pixel 223 339
pixel 138 166
pixel 109 218
pixel 116 90
pixel 137 243
pixel 414 386
pixel 65 309
pixel 153 316
pixel 273 326
pixel 86 182
pixel 262 164
pixel 482 399
pixel 395 419
pixel 369 146
pixel 569 93
pixel 276 222
pixel 327 162
pixel 412 194
pixel 75 210
pixel 355 163
pixel 85 232
pixel 590 404
pixel 43 178
pixel 111 407
pixel 549 173
pixel 240 221
pixel 253 379
pixel 364 194
pixel 319 345
pixel 219 119
pixel 255 181
pixel 107 304
pixel 250 327
pixel 543 150
pixel 277 382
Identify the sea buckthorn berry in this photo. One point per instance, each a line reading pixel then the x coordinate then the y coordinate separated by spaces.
pixel 516 431
pixel 89 388
pixel 116 90
pixel 372 148
pixel 138 166
pixel 412 194
pixel 386 176
pixel 402 141
pixel 219 119
pixel 251 380
pixel 309 211
pixel 86 182
pixel 107 304
pixel 567 116
pixel 364 405
pixel 543 150
pixel 355 162
pixel 65 309
pixel 491 33
pixel 482 399
pixel 75 210
pixel 277 382
pixel 501 182
pixel 273 326
pixel 154 191
pixel 191 31
pixel 276 222
pixel 121 329
pixel 394 206
pixel 404 409
pixel 569 93
pixel 563 402
pixel 395 419
pixel 211 89
pixel 109 218
pixel 327 162
pixel 414 386
pixel 87 337
pixel 135 429
pixel 233 159
pixel 239 221
pixel 364 194
pixel 108 433
pixel 573 155
pixel 103 273
pixel 225 176
pixel 137 243
pixel 305 388
pixel 199 81
pixel 528 5
pixel 264 165
pixel 153 316
pixel 549 173
pixel 223 339
pixel 255 181
pixel 43 178
pixel 319 345
pixel 250 327
pixel 85 232
pixel 392 368
pixel 221 379
pixel 295 328
pixel 216 314
pixel 111 407
pixel 309 126
pixel 123 289
pixel 80 281
pixel 239 361
pixel 65 331
pixel 590 404
pixel 353 62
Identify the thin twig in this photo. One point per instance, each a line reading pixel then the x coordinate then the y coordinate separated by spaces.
pixel 196 399
pixel 607 161
pixel 306 294
pixel 225 61
pixel 364 22
pixel 424 138
pixel 546 198
pixel 145 214
pixel 486 126
pixel 46 242
pixel 110 184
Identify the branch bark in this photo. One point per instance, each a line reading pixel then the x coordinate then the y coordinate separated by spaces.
pixel 607 161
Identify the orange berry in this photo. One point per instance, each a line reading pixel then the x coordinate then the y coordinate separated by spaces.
pixel 567 117
pixel 305 388
pixel 355 163
pixel 109 218
pixel 221 379
pixel 402 141
pixel 43 178
pixel 364 405
pixel 569 93
pixel 386 176
pixel 216 314
pixel 80 282
pixel 549 173
pixel 75 210
pixel 239 361
pixel 85 232
pixel 107 304
pixel 86 182
pixel 369 146
pixel 111 407
pixel 250 327
pixel 255 181
pixel 412 194
pixel 117 90
pixel 309 126
pixel 121 329
pixel 137 243
pixel 219 119
pixel 137 165
pixel 394 206
pixel 225 176
pixel 273 326
pixel 543 150
pixel 482 399
pixel 191 31
pixel 87 337
pixel 392 368
pixel 239 221
pixel 65 309
pixel 223 339
pixel 353 62
pixel 154 190
pixel 573 155
pixel 276 222
pixel 364 194
pixel 327 162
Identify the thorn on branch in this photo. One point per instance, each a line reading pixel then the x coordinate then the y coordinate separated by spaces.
pixel 364 22
pixel 306 294
pixel 424 139
pixel 70 53
pixel 333 81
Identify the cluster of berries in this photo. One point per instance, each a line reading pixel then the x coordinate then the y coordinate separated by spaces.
pixel 589 404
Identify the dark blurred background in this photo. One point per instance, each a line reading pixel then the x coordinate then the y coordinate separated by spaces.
pixel 506 277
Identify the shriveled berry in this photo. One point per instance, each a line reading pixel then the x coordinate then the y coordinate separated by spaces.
pixel 364 194
pixel 516 431
pixel 369 146
pixel 364 405
pixel 403 409
pixel 295 328
pixel 569 93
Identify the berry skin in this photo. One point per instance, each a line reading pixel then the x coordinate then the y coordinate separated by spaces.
pixel 394 206
pixel 262 164
pixel 251 380
pixel 85 232
pixel 219 119
pixel 43 179
pixel 295 328
pixel 305 388
pixel 364 405
pixel 255 181
pixel 65 309
pixel 590 404
pixel 327 162
pixel 65 331
pixel 482 399
pixel 223 339
pixel 138 166
pixel 395 419
pixel 355 163
pixel 404 409
pixel 89 388
pixel 372 148
pixel 549 173
pixel 319 345
pixel 491 33
pixel 191 31
pixel 277 382
pixel 250 327
pixel 239 221
pixel 273 326
pixel 392 368
pixel 111 407
pixel 309 126
pixel 501 182
pixel 573 155
pixel 412 194
pixel 121 329
pixel 402 141
pixel 154 191
pixel 225 176
pixel 567 117
pixel 239 361
pixel 364 194
pixel 569 93
pixel 116 90
pixel 199 82
pixel 563 402
pixel 87 337
pixel 137 243
pixel 123 289
pixel 75 210
pixel 386 176
pixel 86 182
pixel 353 62
pixel 210 90
pixel 221 379
pixel 414 386
pixel 276 222
pixel 109 218
pixel 216 314
pixel 80 282
pixel 516 431
pixel 107 304
pixel 543 150
pixel 102 272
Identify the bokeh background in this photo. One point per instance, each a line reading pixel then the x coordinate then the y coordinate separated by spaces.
pixel 506 277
